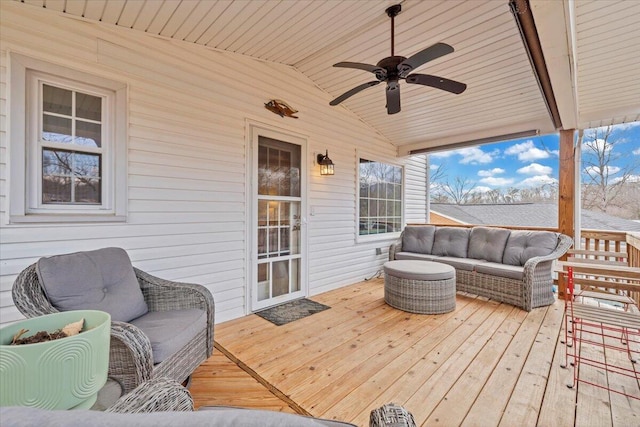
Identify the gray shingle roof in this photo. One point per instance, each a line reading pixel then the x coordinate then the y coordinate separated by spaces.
pixel 528 215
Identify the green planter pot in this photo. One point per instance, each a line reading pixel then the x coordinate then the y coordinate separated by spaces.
pixel 61 374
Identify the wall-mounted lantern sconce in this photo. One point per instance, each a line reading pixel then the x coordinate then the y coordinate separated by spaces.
pixel 326 165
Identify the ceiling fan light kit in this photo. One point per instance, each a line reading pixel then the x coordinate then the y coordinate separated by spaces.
pixel 394 68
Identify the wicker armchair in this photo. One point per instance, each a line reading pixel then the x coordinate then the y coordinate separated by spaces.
pixel 156 395
pixel 131 359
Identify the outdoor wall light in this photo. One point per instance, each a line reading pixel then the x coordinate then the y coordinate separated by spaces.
pixel 326 165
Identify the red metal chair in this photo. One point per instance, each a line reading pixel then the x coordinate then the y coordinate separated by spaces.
pixel 603 328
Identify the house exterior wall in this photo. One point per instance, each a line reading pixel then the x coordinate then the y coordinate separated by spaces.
pixel 188 109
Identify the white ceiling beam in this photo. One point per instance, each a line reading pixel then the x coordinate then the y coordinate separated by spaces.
pixel 542 126
pixel 556 31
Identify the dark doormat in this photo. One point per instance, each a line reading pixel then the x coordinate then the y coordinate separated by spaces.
pixel 292 310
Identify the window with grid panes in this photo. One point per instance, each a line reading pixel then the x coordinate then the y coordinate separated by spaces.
pixel 380 197
pixel 69 149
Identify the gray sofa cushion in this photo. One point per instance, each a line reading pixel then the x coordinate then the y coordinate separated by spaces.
pixel 418 239
pixel 467 264
pixel 451 241
pixel 523 245
pixel 95 280
pixel 169 331
pixel 501 270
pixel 25 416
pixel 415 256
pixel 488 243
pixel 249 417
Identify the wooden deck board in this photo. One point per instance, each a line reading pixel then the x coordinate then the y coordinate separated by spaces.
pixel 483 364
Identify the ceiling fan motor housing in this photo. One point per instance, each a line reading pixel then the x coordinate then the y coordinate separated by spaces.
pixel 390 65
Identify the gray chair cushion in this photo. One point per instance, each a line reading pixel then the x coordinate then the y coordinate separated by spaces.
pixel 418 239
pixel 467 264
pixel 416 256
pixel 95 280
pixel 523 245
pixel 451 241
pixel 488 243
pixel 501 270
pixel 169 331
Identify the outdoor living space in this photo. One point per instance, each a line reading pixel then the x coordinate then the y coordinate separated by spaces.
pixel 485 363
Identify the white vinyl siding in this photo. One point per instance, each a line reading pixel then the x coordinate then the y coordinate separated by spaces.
pixel 187 184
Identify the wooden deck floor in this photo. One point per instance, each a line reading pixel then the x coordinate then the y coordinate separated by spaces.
pixel 484 364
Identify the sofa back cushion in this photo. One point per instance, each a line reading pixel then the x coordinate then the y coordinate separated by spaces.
pixel 523 245
pixel 418 239
pixel 488 243
pixel 95 280
pixel 451 241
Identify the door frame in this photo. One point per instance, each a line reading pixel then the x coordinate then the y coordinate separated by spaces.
pixel 254 129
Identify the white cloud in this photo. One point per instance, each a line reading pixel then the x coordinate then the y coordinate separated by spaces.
pixel 636 152
pixel 481 189
pixel 536 181
pixel 535 169
pixel 626 126
pixel 470 155
pixel 608 170
pixel 527 151
pixel 433 167
pixel 491 172
pixel 474 155
pixel 496 182
pixel 442 154
pixel 630 178
pixel 603 145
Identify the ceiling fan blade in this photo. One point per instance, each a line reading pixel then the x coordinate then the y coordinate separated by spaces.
pixel 437 82
pixel 393 98
pixel 429 54
pixel 352 92
pixel 380 73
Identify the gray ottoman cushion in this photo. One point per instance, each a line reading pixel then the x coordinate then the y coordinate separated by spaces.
pixel 412 270
pixel 501 270
pixel 169 331
pixel 451 241
pixel 95 280
pixel 488 243
pixel 523 245
pixel 418 239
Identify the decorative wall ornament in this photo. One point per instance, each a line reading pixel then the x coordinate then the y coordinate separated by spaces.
pixel 281 108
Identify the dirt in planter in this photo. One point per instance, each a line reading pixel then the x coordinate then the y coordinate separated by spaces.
pixel 43 336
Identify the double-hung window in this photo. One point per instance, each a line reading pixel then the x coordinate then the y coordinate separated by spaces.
pixel 380 198
pixel 73 145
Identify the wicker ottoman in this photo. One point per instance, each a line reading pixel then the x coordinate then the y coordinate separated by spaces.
pixel 420 286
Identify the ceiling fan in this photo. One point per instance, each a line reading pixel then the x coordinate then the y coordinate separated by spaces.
pixel 394 68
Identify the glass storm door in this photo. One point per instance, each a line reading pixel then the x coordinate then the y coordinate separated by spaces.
pixel 278 264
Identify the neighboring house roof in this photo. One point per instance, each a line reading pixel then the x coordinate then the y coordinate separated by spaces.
pixel 528 215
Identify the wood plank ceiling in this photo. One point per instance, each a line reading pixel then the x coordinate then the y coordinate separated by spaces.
pixel 311 35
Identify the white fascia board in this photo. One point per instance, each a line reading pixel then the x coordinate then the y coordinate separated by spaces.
pixel 555 25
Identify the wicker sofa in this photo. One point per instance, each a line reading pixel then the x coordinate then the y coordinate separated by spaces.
pixel 511 266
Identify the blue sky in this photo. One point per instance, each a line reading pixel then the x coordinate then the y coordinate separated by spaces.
pixel 528 162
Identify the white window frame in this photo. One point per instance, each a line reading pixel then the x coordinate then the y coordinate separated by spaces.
pixel 386 235
pixel 25 201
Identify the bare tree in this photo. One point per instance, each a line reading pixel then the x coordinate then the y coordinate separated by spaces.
pixel 603 177
pixel 460 190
